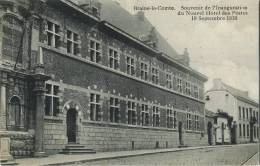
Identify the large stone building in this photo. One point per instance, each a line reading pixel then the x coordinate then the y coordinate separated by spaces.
pixel 237 104
pixel 92 74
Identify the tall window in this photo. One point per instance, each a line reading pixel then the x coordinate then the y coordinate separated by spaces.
pixel 132 116
pixel 187 88
pixel 247 130
pixel 95 51
pixel 15 115
pixel 52 100
pixel 114 110
pixel 243 113
pixel 257 117
pixel 95 107
pixel 12 36
pixel 196 92
pixel 155 75
pixel 244 130
pixel 169 80
pixel 145 115
pixel 156 116
pixel 144 71
pixel 72 43
pixel 53 36
pixel 113 59
pixel 170 118
pixel 196 122
pixel 174 119
pixel 240 131
pixel 179 84
pixel 246 113
pixel 130 65
pixel 188 121
pixel 239 109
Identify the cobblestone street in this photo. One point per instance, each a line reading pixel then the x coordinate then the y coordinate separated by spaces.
pixel 235 155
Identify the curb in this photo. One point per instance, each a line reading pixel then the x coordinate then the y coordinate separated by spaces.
pixel 135 154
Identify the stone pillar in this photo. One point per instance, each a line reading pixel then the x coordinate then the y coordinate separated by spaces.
pixel 39 90
pixel 3 84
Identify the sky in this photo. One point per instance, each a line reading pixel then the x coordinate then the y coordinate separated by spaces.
pixel 218 49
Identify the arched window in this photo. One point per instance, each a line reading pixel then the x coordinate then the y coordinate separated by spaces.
pixel 15 114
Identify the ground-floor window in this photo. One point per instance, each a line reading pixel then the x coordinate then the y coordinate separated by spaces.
pixel 247 130
pixel 114 110
pixel 196 122
pixel 95 107
pixel 156 116
pixel 51 100
pixel 15 119
pixel 131 110
pixel 145 115
pixel 244 130
pixel 188 122
pixel 240 131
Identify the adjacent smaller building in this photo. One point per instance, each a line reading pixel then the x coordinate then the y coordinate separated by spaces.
pixel 236 103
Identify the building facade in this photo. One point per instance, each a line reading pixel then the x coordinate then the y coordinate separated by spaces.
pixel 237 104
pixel 69 74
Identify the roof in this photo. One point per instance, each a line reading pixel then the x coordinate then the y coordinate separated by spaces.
pixel 209 113
pixel 242 95
pixel 136 25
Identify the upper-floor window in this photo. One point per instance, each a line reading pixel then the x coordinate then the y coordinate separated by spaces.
pixel 187 88
pixel 179 84
pixel 12 39
pixel 170 118
pixel 239 109
pixel 132 115
pixel 196 122
pixel 144 71
pixel 169 80
pixel 145 115
pixel 257 116
pixel 243 112
pixel 53 36
pixel 95 107
pixel 155 75
pixel 15 116
pixel 72 43
pixel 188 121
pixel 113 59
pixel 130 65
pixel 95 51
pixel 114 110
pixel 156 116
pixel 246 113
pixel 52 100
pixel 196 92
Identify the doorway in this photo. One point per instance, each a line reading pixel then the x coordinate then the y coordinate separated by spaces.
pixel 71 125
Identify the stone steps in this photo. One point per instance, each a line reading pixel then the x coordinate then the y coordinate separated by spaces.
pixel 77 149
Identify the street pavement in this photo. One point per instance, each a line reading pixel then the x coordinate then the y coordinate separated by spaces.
pixel 234 155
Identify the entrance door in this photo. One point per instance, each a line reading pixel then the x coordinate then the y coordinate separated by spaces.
pixel 180 133
pixel 71 125
pixel 210 133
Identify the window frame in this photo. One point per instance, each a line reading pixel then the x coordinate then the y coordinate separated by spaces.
pixel 115 60
pixel 156 116
pixel 169 78
pixel 130 67
pixel 155 74
pixel 115 109
pixel 54 35
pixel 188 122
pixel 132 113
pixel 145 117
pixel 75 44
pixel 95 103
pixel 53 111
pixel 95 51
pixel 144 70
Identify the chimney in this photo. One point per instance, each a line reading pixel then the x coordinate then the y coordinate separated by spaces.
pixel 140 15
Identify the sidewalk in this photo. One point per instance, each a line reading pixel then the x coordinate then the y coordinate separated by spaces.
pixel 253 161
pixel 61 159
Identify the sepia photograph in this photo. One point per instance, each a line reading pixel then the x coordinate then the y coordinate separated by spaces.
pixel 129 82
